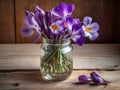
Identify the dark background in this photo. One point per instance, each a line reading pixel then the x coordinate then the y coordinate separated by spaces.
pixel 105 12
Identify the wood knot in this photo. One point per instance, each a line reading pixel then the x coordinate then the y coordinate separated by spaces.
pixel 15 84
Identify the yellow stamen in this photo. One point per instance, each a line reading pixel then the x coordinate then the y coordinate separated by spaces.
pixel 88 29
pixel 54 27
pixel 65 24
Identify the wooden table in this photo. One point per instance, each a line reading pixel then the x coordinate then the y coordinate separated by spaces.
pixel 19 67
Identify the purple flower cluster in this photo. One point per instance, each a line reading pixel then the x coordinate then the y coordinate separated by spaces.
pixel 94 78
pixel 59 24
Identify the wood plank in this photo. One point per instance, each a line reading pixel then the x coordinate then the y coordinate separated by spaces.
pixel 100 10
pixel 31 80
pixel 89 56
pixel 116 24
pixel 7 24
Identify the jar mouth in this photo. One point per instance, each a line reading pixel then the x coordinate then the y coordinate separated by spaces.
pixel 56 42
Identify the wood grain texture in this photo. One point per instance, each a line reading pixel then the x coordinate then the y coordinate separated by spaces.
pixel 7 24
pixel 31 80
pixel 116 26
pixel 89 56
pixel 102 11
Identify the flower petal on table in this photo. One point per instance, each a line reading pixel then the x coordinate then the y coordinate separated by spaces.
pixel 83 79
pixel 97 79
pixel 94 74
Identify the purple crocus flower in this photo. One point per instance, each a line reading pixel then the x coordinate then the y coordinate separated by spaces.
pixel 31 24
pixel 57 27
pixel 58 24
pixel 90 29
pixel 40 17
pixel 77 35
pixel 75 30
pixel 63 10
pixel 35 21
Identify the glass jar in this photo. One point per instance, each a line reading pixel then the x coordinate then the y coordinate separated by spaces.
pixel 56 59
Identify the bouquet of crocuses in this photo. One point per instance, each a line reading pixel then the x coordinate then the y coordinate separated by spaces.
pixel 58 24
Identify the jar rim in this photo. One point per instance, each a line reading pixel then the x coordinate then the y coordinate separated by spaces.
pixel 57 39
pixel 57 42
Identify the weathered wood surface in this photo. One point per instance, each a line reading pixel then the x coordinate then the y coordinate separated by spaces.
pixel 7 24
pixel 89 56
pixel 31 80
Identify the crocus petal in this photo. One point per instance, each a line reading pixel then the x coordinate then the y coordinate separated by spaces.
pixel 37 38
pixel 70 23
pixel 93 36
pixel 77 35
pixel 77 30
pixel 83 79
pixel 77 21
pixel 94 74
pixel 63 10
pixel 79 40
pixel 26 31
pixel 76 27
pixel 40 17
pixel 97 79
pixel 28 20
pixel 28 12
pixel 37 9
pixel 87 20
pixel 95 27
pixel 48 18
pixel 57 27
pixel 59 10
pixel 31 22
pixel 70 8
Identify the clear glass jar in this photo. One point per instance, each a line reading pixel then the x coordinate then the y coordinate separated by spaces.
pixel 56 59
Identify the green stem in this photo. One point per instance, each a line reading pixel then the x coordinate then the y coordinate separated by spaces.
pixel 55 62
